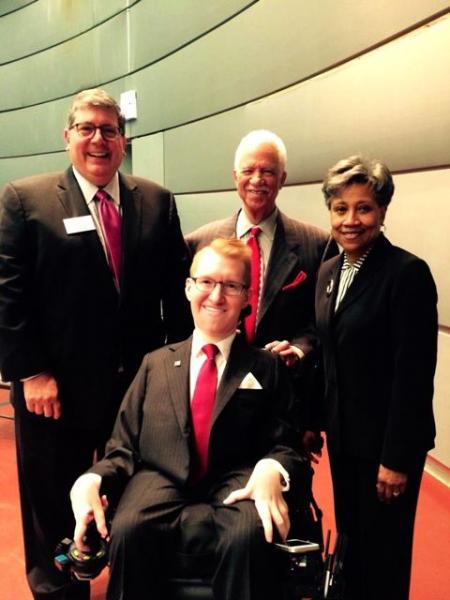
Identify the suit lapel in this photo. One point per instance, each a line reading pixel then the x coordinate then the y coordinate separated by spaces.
pixel 327 289
pixel 177 367
pixel 132 205
pixel 74 205
pixel 372 264
pixel 283 258
pixel 70 196
pixel 239 363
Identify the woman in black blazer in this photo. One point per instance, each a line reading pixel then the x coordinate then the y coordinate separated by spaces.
pixel 376 315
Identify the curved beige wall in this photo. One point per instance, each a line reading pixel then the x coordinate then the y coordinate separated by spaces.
pixel 332 78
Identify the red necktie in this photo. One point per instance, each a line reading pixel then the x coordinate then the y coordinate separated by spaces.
pixel 202 406
pixel 112 229
pixel 250 321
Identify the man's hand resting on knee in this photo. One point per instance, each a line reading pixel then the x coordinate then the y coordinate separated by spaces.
pixel 266 488
pixel 87 505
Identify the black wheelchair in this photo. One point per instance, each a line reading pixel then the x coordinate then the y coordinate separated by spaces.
pixel 307 569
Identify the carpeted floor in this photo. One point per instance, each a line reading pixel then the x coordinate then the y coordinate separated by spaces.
pixel 431 549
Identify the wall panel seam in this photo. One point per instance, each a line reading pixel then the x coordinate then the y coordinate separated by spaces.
pixel 319 72
pixel 212 191
pixel 13 10
pixel 131 71
pixel 316 182
pixel 65 40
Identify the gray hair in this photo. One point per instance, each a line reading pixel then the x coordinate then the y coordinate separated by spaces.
pixel 257 138
pixel 99 99
pixel 358 169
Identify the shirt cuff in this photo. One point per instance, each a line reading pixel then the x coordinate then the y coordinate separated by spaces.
pixel 32 376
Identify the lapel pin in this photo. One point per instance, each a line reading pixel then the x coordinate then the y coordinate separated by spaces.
pixel 177 363
pixel 330 285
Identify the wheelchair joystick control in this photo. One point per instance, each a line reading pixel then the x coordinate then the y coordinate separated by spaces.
pixel 82 565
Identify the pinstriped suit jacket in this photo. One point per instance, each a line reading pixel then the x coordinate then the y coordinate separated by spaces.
pixel 153 428
pixel 59 309
pixel 283 314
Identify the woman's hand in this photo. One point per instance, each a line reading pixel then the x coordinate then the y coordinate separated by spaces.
pixel 390 484
pixel 289 353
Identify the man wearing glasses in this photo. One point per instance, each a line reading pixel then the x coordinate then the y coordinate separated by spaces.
pixel 92 270
pixel 286 254
pixel 288 251
pixel 205 421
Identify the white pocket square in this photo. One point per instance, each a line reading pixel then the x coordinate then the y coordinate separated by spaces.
pixel 250 383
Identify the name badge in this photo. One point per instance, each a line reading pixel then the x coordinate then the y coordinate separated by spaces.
pixel 79 224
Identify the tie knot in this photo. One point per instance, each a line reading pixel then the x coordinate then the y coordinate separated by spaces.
pixel 102 196
pixel 255 231
pixel 210 350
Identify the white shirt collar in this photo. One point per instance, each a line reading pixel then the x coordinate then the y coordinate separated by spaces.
pixel 267 226
pixel 199 340
pixel 89 189
pixel 346 264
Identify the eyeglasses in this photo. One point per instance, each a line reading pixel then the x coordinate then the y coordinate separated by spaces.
pixel 229 288
pixel 87 130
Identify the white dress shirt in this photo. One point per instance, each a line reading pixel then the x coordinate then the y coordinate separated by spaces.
pixel 265 238
pixel 348 273
pixel 89 190
pixel 198 357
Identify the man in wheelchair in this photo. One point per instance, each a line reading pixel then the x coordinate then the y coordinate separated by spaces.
pixel 205 437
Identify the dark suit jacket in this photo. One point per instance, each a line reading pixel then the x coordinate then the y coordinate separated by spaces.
pixel 284 313
pixel 153 427
pixel 380 356
pixel 59 309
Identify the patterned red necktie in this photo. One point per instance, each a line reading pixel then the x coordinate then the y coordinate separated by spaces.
pixel 250 321
pixel 202 406
pixel 112 230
